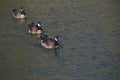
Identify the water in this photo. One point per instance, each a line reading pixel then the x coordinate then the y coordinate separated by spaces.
pixel 89 31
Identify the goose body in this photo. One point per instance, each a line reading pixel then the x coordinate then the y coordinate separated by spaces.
pixel 19 14
pixel 49 43
pixel 34 29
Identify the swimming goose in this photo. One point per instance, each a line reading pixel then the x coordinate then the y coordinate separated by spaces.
pixel 19 14
pixel 35 29
pixel 49 43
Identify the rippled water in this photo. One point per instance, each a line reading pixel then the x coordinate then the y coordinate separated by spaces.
pixel 89 36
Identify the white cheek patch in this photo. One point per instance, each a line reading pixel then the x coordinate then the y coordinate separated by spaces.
pixel 39 25
pixel 56 39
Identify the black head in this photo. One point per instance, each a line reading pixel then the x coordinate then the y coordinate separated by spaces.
pixel 56 38
pixel 43 36
pixel 22 8
pixel 14 10
pixel 39 22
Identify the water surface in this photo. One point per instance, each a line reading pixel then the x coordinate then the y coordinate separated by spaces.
pixel 89 31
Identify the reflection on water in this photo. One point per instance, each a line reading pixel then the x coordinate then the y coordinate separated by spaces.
pixel 89 40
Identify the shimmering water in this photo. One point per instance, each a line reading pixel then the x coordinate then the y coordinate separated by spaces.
pixel 89 31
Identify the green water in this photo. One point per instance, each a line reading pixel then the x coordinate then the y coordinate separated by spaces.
pixel 89 31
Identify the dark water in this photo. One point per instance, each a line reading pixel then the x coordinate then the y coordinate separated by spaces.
pixel 89 31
